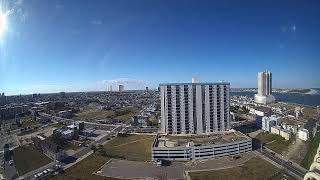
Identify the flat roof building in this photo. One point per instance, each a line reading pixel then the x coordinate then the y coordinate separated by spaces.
pixel 268 122
pixel 193 147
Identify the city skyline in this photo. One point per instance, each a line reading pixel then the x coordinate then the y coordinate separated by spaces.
pixel 141 44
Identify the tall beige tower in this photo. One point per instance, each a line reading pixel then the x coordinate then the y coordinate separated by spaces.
pixel 264 83
pixel 264 95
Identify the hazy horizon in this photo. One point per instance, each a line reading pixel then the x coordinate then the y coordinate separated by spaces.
pixel 53 46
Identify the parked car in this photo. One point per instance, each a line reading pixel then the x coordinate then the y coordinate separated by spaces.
pixel 11 162
pixel 159 163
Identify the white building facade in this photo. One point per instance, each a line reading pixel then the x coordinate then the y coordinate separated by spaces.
pixel 193 152
pixel 268 122
pixel 195 108
pixel 303 134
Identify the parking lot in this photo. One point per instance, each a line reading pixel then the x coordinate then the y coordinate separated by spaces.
pixel 140 170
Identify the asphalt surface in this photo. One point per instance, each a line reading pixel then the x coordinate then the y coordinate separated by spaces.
pixel 9 171
pixel 125 169
pixel 287 165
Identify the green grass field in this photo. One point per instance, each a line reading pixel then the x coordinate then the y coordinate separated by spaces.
pixel 124 114
pixel 58 125
pixel 27 121
pixel 131 147
pixel 274 142
pixel 27 158
pixel 95 114
pixel 255 168
pixel 309 113
pixel 84 169
pixel 312 150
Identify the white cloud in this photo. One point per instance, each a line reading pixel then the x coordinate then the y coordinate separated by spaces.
pixel 96 22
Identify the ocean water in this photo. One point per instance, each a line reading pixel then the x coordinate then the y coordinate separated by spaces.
pixel 306 99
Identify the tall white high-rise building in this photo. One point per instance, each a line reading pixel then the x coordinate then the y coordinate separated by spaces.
pixel 195 108
pixel 264 95
pixel 121 88
pixel 110 87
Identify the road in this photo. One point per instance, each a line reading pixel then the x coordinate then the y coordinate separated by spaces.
pixel 9 171
pixel 298 171
pixel 137 129
pixel 78 154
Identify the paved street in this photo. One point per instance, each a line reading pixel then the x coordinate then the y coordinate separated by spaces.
pixel 291 167
pixel 10 171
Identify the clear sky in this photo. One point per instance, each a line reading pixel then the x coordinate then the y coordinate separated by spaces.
pixel 75 45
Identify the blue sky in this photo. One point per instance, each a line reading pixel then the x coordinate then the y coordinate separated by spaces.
pixel 75 45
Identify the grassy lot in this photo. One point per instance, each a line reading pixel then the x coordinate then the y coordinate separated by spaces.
pixel 26 121
pixel 255 168
pixel 281 175
pixel 84 169
pixel 131 147
pixel 27 158
pixel 274 142
pixel 28 132
pixel 95 114
pixel 312 150
pixel 58 125
pixel 309 113
pixel 124 114
pixel 71 146
pixel 1 171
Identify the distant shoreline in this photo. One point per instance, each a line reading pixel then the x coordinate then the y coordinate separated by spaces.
pixel 312 100
pixel 311 91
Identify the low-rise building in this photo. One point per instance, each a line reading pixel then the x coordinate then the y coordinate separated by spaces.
pixel 140 120
pixel 10 111
pixel 48 147
pixel 260 112
pixel 303 134
pixel 191 147
pixel 232 117
pixel 268 122
pixel 275 129
pixel 65 114
pixel 286 134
